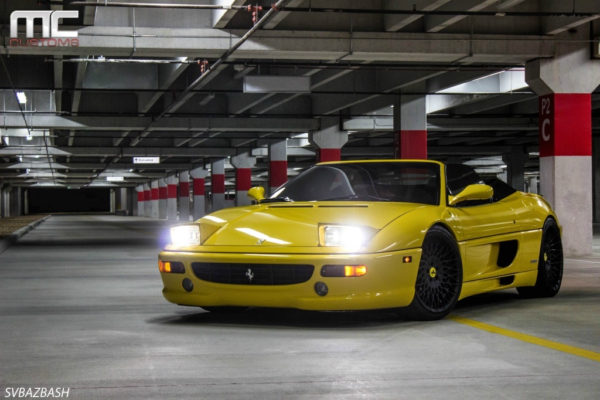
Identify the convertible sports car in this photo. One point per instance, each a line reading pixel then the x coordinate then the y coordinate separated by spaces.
pixel 412 234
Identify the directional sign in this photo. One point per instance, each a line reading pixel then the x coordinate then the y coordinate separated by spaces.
pixel 146 160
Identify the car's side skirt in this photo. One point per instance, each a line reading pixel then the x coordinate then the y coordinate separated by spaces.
pixel 504 282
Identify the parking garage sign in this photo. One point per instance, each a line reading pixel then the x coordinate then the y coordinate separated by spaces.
pixel 546 121
pixel 51 36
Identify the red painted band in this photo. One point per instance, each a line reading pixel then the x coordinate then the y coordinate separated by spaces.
pixel 172 191
pixel 140 196
pixel 218 183
pixel 147 195
pixel 243 179
pixel 154 193
pixel 330 155
pixel 277 173
pixel 411 144
pixel 184 189
pixel 199 187
pixel 565 124
pixel 162 192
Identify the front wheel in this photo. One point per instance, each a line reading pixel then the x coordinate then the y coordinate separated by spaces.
pixel 550 264
pixel 439 279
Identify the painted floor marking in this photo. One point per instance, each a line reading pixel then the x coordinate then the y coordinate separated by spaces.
pixel 565 348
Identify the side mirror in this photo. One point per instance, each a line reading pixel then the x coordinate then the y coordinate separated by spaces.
pixel 257 193
pixel 472 192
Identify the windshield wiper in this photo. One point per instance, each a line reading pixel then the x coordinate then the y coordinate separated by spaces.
pixel 276 200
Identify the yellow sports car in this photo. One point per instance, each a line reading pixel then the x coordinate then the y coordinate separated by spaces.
pixel 412 234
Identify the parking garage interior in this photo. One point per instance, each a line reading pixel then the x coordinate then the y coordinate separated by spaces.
pixel 120 119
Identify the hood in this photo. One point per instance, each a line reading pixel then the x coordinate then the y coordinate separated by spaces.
pixel 297 224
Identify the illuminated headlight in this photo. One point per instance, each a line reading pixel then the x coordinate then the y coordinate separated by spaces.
pixel 349 237
pixel 185 235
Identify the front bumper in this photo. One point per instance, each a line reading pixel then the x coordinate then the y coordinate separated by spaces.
pixel 389 282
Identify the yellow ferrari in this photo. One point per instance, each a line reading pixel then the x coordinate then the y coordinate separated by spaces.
pixel 411 234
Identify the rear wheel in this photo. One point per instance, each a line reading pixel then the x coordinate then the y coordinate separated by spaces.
pixel 550 264
pixel 439 279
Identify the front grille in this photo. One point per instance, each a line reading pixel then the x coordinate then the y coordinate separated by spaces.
pixel 253 274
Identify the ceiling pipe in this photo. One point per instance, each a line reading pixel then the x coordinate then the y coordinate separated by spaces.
pixel 181 99
pixel 413 11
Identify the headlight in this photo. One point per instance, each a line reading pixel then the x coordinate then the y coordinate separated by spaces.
pixel 349 237
pixel 185 235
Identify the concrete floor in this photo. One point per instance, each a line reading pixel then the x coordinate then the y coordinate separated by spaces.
pixel 81 307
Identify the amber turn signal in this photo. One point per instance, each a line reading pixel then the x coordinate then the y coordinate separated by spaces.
pixel 343 270
pixel 170 267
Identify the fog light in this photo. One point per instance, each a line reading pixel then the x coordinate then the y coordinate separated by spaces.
pixel 187 284
pixel 321 288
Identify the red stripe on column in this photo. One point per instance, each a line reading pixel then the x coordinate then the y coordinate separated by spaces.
pixel 243 179
pixel 162 192
pixel 411 144
pixel 218 183
pixel 154 193
pixel 199 187
pixel 330 155
pixel 140 196
pixel 184 189
pixel 277 173
pixel 147 195
pixel 565 124
pixel 172 191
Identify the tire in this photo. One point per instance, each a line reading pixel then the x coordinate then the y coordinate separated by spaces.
pixel 550 264
pixel 439 279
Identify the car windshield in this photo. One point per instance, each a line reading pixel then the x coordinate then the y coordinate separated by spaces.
pixel 385 181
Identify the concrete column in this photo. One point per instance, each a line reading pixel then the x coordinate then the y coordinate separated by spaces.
pixel 113 201
pixel 277 165
pixel 123 202
pixel 198 176
pixel 162 199
pixel 25 202
pixel 515 162
pixel 148 200
pixel 564 84
pixel 596 177
pixel 329 140
pixel 184 196
pixel 154 192
pixel 410 125
pixel 533 184
pixel 140 200
pixel 243 164
pixel 131 206
pixel 217 180
pixel 172 198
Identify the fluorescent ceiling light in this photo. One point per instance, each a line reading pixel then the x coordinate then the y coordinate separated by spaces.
pixel 115 178
pixel 22 97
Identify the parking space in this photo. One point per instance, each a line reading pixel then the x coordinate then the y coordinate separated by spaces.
pixel 81 308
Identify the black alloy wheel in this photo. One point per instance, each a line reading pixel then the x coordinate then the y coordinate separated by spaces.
pixel 550 264
pixel 439 279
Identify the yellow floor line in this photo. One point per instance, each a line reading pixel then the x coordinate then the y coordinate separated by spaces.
pixel 528 338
